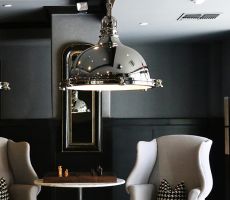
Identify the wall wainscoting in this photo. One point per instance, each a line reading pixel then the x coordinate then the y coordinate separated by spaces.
pixel 120 137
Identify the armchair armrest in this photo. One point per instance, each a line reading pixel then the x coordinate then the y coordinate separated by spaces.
pixel 205 170
pixel 146 158
pixel 194 194
pixel 142 192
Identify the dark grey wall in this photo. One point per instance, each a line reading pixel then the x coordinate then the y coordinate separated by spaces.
pixel 215 98
pixel 187 70
pixel 194 85
pixel 191 72
pixel 192 76
pixel 226 92
pixel 68 29
pixel 226 68
pixel 26 65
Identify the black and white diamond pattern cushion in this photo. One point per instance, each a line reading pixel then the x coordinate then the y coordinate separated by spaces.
pixel 166 192
pixel 4 195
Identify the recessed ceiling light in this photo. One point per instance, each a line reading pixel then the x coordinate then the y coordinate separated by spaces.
pixel 143 23
pixel 7 5
pixel 198 1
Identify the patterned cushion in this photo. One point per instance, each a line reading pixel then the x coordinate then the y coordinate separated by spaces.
pixel 4 195
pixel 166 192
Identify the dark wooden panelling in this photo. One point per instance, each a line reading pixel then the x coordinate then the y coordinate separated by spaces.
pixel 120 137
pixel 41 134
pixel 215 132
pixel 44 137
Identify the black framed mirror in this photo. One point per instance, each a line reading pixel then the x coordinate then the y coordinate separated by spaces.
pixel 81 112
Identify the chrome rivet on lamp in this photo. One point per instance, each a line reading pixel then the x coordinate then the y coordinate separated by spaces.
pixel 4 86
pixel 109 65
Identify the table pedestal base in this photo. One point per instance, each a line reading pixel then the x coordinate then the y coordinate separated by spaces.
pixel 80 193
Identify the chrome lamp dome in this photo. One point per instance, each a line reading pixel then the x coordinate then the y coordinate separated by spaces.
pixel 109 65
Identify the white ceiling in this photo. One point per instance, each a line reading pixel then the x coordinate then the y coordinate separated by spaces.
pixel 26 11
pixel 35 11
pixel 162 17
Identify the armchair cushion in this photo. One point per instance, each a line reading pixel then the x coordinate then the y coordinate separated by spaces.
pixel 4 195
pixel 166 192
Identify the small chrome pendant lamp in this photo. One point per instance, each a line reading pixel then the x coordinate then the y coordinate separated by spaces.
pixel 109 65
pixel 78 105
pixel 4 86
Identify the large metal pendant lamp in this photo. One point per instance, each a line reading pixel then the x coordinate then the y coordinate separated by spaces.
pixel 109 65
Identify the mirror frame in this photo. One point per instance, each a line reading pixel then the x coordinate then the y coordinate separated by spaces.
pixel 70 53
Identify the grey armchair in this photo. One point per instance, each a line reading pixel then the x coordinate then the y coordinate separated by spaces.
pixel 175 158
pixel 16 169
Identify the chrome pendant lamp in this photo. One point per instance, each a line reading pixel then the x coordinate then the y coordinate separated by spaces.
pixel 4 86
pixel 78 105
pixel 109 65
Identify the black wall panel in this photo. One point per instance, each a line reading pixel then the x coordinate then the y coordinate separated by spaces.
pixel 68 29
pixel 191 79
pixel 26 65
pixel 120 137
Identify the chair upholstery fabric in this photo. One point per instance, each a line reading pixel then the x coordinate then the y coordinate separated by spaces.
pixel 16 168
pixel 175 158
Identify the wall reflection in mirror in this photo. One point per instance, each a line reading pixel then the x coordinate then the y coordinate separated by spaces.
pixel 81 127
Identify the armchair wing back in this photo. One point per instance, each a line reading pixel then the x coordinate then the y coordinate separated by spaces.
pixel 175 158
pixel 4 162
pixel 17 170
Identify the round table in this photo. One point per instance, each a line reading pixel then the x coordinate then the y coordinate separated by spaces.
pixel 80 186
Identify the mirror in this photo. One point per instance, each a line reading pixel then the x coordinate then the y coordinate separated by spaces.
pixel 81 113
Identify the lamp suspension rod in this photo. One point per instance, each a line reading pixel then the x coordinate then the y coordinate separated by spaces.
pixel 109 8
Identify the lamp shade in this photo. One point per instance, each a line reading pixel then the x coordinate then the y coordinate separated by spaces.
pixel 109 65
pixel 110 68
